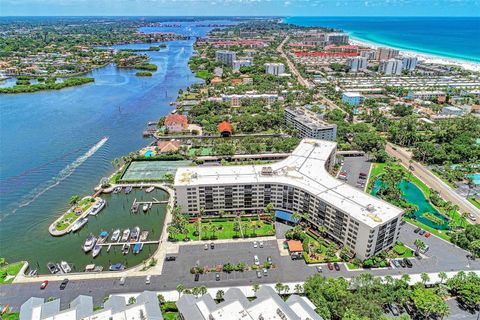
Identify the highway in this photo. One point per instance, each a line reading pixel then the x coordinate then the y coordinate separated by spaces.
pixel 432 181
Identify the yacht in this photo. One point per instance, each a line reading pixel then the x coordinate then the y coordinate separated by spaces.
pixel 103 237
pixel 53 268
pixel 65 267
pixel 137 247
pixel 116 267
pixel 150 189
pixel 125 248
pixel 145 207
pixel 96 250
pixel 115 236
pixel 79 224
pixel 125 235
pixel 89 243
pixel 135 208
pixel 97 207
pixel 135 234
pixel 128 189
pixel 144 235
pixel 117 189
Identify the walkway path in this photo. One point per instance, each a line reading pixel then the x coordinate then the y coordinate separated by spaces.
pixel 432 181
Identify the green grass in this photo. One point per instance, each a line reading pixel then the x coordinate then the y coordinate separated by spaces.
pixel 438 233
pixel 377 169
pixel 352 266
pixel 11 316
pixel 475 202
pixel 203 74
pixel 401 251
pixel 11 269
pixel 170 315
pixel 63 224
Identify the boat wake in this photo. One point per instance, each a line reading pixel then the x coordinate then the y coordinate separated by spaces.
pixel 63 174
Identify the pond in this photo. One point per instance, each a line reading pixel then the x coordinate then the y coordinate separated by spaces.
pixel 414 195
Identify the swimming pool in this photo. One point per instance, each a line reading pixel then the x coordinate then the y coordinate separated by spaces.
pixel 149 153
pixel 475 177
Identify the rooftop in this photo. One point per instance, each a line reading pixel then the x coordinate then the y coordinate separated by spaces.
pixel 303 169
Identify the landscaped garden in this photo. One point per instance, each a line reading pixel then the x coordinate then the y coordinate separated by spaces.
pixel 9 271
pixel 79 206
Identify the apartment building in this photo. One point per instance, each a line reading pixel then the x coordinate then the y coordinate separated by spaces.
pixel 357 63
pixel 390 67
pixel 337 38
pixel 309 124
pixel 384 53
pixel 225 56
pixel 299 183
pixel 242 62
pixel 409 63
pixel 274 68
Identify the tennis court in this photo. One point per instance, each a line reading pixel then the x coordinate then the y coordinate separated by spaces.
pixel 151 170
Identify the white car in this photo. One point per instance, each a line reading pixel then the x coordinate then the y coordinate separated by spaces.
pixel 255 244
pixel 122 281
pixel 261 244
pixel 147 279
pixel 255 259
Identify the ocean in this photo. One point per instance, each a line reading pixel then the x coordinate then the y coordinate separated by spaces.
pixel 448 37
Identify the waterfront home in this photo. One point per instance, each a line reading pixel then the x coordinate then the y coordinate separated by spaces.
pixel 168 146
pixel 176 122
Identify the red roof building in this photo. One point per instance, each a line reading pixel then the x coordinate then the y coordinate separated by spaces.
pixel 176 122
pixel 326 54
pixel 225 129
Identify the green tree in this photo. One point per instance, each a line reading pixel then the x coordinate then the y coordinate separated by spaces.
pixel 429 303
pixel 255 287
pixel 279 287
pixel 425 278
pixel 180 288
pixel 132 300
pixel 219 295
pixel 443 276
pixel 74 199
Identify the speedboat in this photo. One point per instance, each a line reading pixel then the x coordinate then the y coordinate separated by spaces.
pixel 65 267
pixel 125 235
pixel 79 224
pixel 33 273
pixel 145 207
pixel 144 235
pixel 89 243
pixel 135 208
pixel 53 268
pixel 97 207
pixel 135 234
pixel 150 189
pixel 96 250
pixel 125 248
pixel 103 237
pixel 116 267
pixel 137 247
pixel 128 189
pixel 117 189
pixel 115 236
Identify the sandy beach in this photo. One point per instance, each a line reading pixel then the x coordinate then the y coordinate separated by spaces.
pixel 423 57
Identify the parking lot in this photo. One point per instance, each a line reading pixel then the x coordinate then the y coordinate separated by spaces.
pixel 353 167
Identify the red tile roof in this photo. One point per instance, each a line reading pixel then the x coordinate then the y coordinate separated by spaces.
pixel 295 246
pixel 326 54
pixel 176 118
pixel 225 127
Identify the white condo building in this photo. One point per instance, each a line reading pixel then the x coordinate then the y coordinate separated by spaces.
pixel 357 64
pixel 384 53
pixel 309 124
pixel 300 183
pixel 274 68
pixel 390 67
pixel 409 63
pixel 226 56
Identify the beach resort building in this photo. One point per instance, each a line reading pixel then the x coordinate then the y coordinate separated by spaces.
pixel 226 56
pixel 390 67
pixel 352 98
pixel 274 68
pixel 300 183
pixel 409 63
pixel 267 305
pixel 242 62
pixel 384 53
pixel 337 38
pixel 308 124
pixel 357 63
pixel 176 122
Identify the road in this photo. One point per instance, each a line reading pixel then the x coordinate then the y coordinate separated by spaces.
pixel 291 66
pixel 433 181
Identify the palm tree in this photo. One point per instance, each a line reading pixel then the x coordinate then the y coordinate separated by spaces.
pixel 296 217
pixel 255 287
pixel 406 278
pixel 420 245
pixel 132 300
pixel 443 276
pixel 425 278
pixel 180 289
pixel 298 288
pixel 74 199
pixel 279 287
pixel 322 230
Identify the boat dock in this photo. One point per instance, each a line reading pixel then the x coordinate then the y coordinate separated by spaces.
pixel 136 204
pixel 131 243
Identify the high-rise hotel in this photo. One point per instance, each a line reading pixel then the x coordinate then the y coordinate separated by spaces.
pixel 300 183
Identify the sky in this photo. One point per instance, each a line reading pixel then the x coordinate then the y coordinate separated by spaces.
pixel 239 7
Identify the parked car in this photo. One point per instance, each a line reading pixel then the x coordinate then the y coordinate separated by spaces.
pixel 259 274
pixel 197 277
pixel 122 281
pixel 44 285
pixel 427 235
pixel 265 272
pixel 394 309
pixel 217 276
pixel 330 266
pixel 363 174
pixel 417 230
pixel 319 269
pixel 212 245
pixel 170 258
pixel 336 266
pixel 205 246
pixel 256 260
pixel 407 262
pixel 269 260
pixel 402 263
pixel 422 232
pixel 396 263
pixel 260 244
pixel 63 285
pixel 147 279
pixel 255 244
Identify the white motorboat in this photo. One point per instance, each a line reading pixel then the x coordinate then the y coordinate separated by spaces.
pixel 79 224
pixel 115 235
pixel 89 243
pixel 97 207
pixel 65 267
pixel 117 189
pixel 145 207
pixel 135 208
pixel 126 248
pixel 135 234
pixel 125 235
pixel 96 250
pixel 150 189
pixel 128 189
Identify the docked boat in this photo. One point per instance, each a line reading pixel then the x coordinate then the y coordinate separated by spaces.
pixel 135 234
pixel 115 236
pixel 65 267
pixel 33 273
pixel 103 237
pixel 109 247
pixel 126 248
pixel 96 250
pixel 98 269
pixel 145 207
pixel 117 189
pixel 89 243
pixel 128 189
pixel 144 235
pixel 116 267
pixel 125 235
pixel 53 268
pixel 97 207
pixel 135 207
pixel 149 189
pixel 79 224
pixel 137 247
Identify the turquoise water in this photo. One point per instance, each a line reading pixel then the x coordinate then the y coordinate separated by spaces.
pixel 475 177
pixel 149 153
pixel 452 37
pixel 414 195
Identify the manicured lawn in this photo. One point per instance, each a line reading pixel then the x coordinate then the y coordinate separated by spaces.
pixel 401 251
pixel 352 266
pixel 204 74
pixel 11 316
pixel 170 315
pixel 475 202
pixel 377 169
pixel 11 270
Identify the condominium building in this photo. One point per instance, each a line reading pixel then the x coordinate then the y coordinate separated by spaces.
pixel 300 183
pixel 235 99
pixel 243 62
pixel 274 68
pixel 390 67
pixel 352 98
pixel 308 124
pixel 225 56
pixel 357 64
pixel 266 305
pixel 337 38
pixel 369 54
pixel 409 63
pixel 384 53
